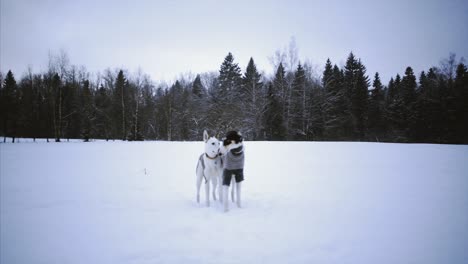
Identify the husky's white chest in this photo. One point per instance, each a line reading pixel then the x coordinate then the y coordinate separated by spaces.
pixel 212 165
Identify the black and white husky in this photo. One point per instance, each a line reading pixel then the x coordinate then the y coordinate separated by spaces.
pixel 232 151
pixel 209 168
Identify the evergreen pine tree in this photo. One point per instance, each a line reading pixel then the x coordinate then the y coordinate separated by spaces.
pixel 391 92
pixel 26 107
pixel 395 114
pixel 175 111
pixel 360 102
pixel 230 80
pixel 461 104
pixel 163 107
pixel 408 96
pixel 280 88
pixel 356 83
pixel 226 106
pixel 119 107
pixel 421 106
pixel 57 105
pixel 10 102
pixel 376 109
pixel 327 78
pixel 316 119
pixel 273 118
pixel 72 113
pixel 40 116
pixel 184 114
pixel 103 122
pixel 335 106
pixel 88 113
pixel 297 117
pixel 48 105
pixel 134 106
pixel 328 81
pixel 36 107
pixel 433 112
pixel 408 87
pixel 197 109
pixel 29 109
pixel 253 102
pixel 197 87
pixel 147 109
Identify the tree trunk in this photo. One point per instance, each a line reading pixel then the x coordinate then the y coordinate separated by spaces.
pixel 55 120
pixel 135 135
pixel 304 112
pixel 169 125
pixel 123 115
pixel 58 118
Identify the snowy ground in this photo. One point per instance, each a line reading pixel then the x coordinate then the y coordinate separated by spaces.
pixel 122 202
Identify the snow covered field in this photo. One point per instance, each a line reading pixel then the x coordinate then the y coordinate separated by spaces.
pixel 124 202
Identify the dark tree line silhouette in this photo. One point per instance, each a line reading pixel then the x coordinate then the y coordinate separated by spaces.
pixel 296 103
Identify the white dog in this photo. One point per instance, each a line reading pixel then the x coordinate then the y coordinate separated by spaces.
pixel 209 168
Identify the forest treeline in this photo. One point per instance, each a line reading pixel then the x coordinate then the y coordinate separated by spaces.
pixel 296 103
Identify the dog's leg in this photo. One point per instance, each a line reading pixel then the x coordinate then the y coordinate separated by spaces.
pixel 238 190
pixel 199 181
pixel 220 189
pixel 233 183
pixel 215 184
pixel 207 192
pixel 225 198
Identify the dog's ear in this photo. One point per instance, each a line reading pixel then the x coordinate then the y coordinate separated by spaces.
pixel 205 136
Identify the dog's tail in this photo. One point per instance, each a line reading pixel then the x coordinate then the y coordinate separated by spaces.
pixel 201 162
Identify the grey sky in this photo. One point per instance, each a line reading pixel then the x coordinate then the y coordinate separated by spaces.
pixel 166 38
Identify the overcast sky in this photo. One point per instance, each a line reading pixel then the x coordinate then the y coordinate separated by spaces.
pixel 166 38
